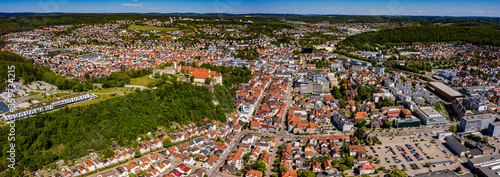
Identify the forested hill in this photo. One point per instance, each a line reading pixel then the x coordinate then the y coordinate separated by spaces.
pixel 478 34
pixel 71 132
pixel 29 72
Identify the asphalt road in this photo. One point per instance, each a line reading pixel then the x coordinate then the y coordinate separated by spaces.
pixel 227 152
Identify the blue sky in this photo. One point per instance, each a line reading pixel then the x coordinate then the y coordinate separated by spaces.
pixel 490 8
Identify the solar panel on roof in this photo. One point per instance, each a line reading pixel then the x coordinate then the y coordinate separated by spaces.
pixel 4 107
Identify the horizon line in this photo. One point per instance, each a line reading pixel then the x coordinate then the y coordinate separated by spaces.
pixel 208 13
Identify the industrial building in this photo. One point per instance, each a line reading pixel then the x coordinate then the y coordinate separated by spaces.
pixel 445 91
pixel 486 166
pixel 443 173
pixel 456 146
pixel 430 116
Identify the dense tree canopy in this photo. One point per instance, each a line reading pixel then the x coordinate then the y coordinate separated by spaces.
pixel 120 79
pixel 306 173
pixel 69 133
pixel 478 34
pixel 397 173
pixel 29 72
pixel 230 75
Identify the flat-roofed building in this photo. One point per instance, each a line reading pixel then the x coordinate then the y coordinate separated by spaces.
pixel 470 124
pixel 445 91
pixel 408 122
pixel 456 146
pixel 443 173
pixel 487 119
pixel 473 106
pixel 48 106
pixel 494 129
pixel 430 116
pixel 476 123
pixel 486 166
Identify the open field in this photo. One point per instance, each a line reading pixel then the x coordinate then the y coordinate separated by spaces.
pixel 149 28
pixel 142 81
pixel 53 96
pixel 100 97
pixel 21 93
pixel 103 94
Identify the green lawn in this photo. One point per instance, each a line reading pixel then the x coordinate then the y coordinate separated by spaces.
pixel 103 94
pixel 111 90
pixel 100 97
pixel 29 94
pixel 142 81
pixel 53 96
pixel 149 28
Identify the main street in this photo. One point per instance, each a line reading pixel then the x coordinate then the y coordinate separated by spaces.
pixel 283 133
pixel 227 152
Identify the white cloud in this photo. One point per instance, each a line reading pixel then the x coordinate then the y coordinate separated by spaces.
pixel 133 5
pixel 135 0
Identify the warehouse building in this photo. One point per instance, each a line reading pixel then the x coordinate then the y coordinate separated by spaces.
pixel 486 166
pixel 443 173
pixel 456 146
pixel 445 91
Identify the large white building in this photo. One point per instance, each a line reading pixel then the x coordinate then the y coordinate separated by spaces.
pixel 47 106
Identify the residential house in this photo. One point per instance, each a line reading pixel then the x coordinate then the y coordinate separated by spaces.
pixel 162 167
pixel 153 172
pixel 253 173
pixel 227 169
pixel 90 166
pixel 198 173
pixel 184 169
pixel 366 169
pixel 112 160
pixel 316 167
pixel 357 150
pixel 209 164
pixel 82 169
pixel 121 172
pixel 289 173
pixel 98 163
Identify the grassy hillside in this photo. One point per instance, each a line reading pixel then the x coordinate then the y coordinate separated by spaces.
pixel 76 130
pixel 149 28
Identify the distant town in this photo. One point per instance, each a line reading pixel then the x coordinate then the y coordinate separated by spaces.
pixel 311 107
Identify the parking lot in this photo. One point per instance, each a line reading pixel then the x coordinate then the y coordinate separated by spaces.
pixel 495 142
pixel 404 153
